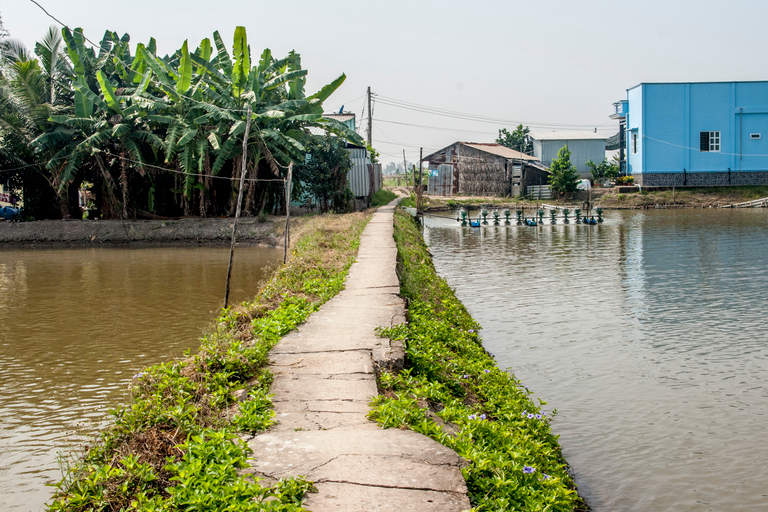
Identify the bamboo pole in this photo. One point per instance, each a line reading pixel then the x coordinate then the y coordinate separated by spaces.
pixel 239 204
pixel 288 182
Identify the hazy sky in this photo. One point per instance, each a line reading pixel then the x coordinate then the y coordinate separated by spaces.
pixel 545 63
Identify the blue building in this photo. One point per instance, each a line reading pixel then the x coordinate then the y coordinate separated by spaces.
pixel 696 134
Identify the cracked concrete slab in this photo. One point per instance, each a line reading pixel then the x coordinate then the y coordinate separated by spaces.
pixel 324 381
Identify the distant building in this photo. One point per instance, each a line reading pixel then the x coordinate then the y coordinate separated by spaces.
pixel 697 134
pixel 477 169
pixel 584 146
pixel 358 177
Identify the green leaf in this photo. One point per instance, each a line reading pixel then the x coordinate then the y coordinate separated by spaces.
pixel 285 77
pixel 188 135
pixel 83 105
pixel 185 70
pixel 75 49
pixel 83 88
pixel 329 89
pixel 108 92
pixel 222 57
pixel 242 61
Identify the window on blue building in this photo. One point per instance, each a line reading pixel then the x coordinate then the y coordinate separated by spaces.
pixel 709 141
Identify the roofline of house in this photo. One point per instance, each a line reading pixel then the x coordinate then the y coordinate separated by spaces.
pixel 704 82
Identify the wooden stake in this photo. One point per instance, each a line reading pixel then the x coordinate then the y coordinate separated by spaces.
pixel 239 204
pixel 288 183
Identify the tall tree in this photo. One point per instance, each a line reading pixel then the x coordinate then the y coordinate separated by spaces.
pixel 519 140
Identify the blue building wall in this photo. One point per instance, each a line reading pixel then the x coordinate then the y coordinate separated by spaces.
pixel 667 120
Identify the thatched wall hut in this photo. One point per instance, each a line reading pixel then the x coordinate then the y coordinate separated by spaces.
pixel 475 169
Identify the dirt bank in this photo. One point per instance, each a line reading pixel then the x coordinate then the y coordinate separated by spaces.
pixel 610 198
pixel 97 232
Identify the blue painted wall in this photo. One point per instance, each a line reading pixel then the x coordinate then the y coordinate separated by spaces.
pixel 668 119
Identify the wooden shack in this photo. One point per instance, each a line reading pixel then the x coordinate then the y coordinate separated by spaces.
pixel 482 169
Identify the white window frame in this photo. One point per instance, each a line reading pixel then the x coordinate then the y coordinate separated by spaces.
pixel 714 142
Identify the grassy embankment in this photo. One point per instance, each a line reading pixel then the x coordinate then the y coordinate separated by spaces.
pixel 684 197
pixel 177 446
pixel 452 391
pixel 704 197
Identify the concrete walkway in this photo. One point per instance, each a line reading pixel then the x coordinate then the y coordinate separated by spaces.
pixel 324 381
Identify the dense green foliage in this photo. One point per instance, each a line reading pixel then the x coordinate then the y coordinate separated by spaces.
pixel 603 171
pixel 452 391
pixel 382 197
pixel 563 177
pixel 175 447
pixel 150 135
pixel 323 174
pixel 519 140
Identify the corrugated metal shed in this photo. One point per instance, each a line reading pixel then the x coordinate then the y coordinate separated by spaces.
pixel 358 177
pixel 583 146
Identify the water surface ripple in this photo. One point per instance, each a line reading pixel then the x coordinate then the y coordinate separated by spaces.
pixel 647 334
pixel 77 324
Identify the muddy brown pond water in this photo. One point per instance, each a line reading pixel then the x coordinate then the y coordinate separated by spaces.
pixel 648 334
pixel 77 324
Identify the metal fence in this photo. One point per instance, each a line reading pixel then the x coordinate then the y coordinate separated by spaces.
pixel 538 191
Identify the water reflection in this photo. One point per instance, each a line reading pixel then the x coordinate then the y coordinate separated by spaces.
pixel 77 324
pixel 647 333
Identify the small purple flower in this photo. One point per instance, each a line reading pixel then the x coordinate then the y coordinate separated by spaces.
pixel 482 416
pixel 525 412
pixel 537 416
pixel 528 470
pixel 472 417
pixel 530 416
pixel 465 376
pixel 487 371
pixel 546 476
pixel 472 331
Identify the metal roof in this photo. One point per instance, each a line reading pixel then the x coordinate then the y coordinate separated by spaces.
pixel 572 135
pixel 340 117
pixel 499 150
pixel 492 148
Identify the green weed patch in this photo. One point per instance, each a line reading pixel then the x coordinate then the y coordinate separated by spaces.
pixel 382 197
pixel 176 446
pixel 452 391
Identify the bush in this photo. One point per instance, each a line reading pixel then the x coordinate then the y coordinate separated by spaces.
pixel 563 177
pixel 625 180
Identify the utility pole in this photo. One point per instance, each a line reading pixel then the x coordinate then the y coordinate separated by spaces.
pixel 420 192
pixel 370 119
pixel 405 170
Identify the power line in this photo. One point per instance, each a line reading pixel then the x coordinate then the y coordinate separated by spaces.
pixel 416 107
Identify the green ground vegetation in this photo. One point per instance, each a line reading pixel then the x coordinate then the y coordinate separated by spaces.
pixel 452 391
pixel 177 445
pixel 382 197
